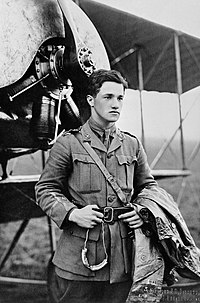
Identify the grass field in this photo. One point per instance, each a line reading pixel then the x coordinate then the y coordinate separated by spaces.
pixel 32 252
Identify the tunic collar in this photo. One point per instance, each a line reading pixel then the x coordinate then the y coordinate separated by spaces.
pixel 95 127
pixel 95 142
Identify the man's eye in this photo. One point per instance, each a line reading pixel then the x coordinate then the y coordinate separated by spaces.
pixel 120 98
pixel 108 97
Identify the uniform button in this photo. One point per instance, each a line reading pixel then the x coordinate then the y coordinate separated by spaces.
pixel 110 199
pixel 109 156
pixel 143 257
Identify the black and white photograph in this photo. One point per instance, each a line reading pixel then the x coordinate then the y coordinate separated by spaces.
pixel 99 151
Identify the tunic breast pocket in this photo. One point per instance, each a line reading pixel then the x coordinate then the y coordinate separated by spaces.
pixel 125 171
pixel 85 174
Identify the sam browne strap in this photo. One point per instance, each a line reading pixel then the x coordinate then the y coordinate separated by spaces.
pixel 103 169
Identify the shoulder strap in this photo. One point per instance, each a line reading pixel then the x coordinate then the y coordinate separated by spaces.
pixel 103 169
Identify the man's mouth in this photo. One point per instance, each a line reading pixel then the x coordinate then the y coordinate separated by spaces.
pixel 114 112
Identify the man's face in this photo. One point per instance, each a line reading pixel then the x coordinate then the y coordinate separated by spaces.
pixel 106 106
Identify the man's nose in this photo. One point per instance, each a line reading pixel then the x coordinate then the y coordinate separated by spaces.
pixel 115 103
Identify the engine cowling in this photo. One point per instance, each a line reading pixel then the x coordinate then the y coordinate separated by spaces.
pixel 48 52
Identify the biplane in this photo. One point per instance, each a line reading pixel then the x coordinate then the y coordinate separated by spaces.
pixel 49 49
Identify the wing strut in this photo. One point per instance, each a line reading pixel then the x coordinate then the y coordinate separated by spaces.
pixel 179 92
pixel 141 88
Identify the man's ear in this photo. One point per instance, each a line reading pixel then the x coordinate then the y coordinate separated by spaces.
pixel 90 100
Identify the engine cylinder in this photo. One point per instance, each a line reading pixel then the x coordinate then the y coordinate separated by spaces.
pixel 43 119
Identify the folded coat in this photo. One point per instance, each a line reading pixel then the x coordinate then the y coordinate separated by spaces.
pixel 163 245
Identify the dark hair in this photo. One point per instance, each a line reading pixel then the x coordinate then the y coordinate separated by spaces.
pixel 100 76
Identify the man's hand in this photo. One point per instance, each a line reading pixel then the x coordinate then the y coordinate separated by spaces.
pixel 132 219
pixel 86 217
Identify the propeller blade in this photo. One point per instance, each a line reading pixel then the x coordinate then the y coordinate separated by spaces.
pixel 90 51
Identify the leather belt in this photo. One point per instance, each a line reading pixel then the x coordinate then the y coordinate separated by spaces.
pixel 111 213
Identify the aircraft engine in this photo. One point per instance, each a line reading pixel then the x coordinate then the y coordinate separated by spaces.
pixel 48 50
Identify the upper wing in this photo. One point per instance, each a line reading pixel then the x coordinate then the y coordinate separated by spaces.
pixel 123 34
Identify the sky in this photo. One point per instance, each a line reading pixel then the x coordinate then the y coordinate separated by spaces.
pixel 161 113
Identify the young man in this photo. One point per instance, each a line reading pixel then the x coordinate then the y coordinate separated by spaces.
pixel 94 256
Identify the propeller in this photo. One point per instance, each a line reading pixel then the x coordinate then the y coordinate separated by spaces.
pixel 90 51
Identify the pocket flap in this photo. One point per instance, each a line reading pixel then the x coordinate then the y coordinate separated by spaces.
pixel 82 158
pixel 128 160
pixel 80 232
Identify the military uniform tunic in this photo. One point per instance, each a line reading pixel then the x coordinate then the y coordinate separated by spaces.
pixel 72 179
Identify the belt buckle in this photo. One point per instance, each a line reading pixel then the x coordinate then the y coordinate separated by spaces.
pixel 108 214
